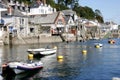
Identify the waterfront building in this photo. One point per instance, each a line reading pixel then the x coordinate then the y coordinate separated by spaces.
pixel 15 22
pixel 70 18
pixel 114 30
pixel 52 24
pixel 2 23
pixel 39 7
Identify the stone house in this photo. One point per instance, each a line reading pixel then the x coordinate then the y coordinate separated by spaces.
pixel 92 29
pixel 51 24
pixel 15 22
pixel 71 18
pixel 2 23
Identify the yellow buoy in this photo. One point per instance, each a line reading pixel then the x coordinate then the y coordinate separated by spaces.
pixel 30 56
pixel 84 51
pixel 60 60
pixel 55 47
pixel 84 54
pixel 60 57
pixel 97 46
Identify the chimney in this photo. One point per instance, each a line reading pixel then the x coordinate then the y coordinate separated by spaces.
pixel 9 10
pixel 38 2
pixel 44 2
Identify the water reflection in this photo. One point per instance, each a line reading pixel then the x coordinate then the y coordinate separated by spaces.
pixel 1 51
pixel 97 64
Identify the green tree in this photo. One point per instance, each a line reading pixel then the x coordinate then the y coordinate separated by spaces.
pixel 60 7
pixel 51 2
pixel 97 12
pixel 98 16
pixel 27 2
pixel 67 3
pixel 85 12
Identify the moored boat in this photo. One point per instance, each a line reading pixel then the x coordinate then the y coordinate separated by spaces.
pixel 98 44
pixel 43 51
pixel 19 67
pixel 111 41
pixel 36 50
pixel 48 51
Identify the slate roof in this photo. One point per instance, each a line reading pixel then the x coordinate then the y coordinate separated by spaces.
pixel 2 5
pixel 67 18
pixel 15 13
pixel 68 12
pixel 18 13
pixel 45 19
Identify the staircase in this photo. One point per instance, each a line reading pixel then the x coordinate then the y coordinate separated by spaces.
pixel 63 39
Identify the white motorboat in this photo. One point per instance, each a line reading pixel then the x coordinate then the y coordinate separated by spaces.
pixel 19 67
pixel 36 50
pixel 43 51
pixel 48 51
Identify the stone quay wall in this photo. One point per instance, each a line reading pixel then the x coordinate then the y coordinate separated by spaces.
pixel 35 39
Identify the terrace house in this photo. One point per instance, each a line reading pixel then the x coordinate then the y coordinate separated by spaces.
pixel 15 22
pixel 51 24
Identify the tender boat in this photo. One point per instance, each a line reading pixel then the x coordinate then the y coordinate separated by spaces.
pixel 43 51
pixel 98 44
pixel 36 50
pixel 20 67
pixel 48 51
pixel 111 41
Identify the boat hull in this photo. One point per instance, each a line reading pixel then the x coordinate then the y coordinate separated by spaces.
pixel 20 67
pixel 98 44
pixel 42 51
pixel 48 52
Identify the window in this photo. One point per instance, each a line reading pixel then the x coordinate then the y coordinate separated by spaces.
pixel 21 21
pixel 32 30
pixel 42 11
pixel 60 22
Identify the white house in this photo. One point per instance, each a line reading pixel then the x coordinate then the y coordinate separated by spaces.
pixel 39 8
pixel 112 25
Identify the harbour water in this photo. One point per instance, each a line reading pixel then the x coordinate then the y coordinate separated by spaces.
pixel 97 64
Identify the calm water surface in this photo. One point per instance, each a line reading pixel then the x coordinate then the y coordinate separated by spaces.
pixel 98 64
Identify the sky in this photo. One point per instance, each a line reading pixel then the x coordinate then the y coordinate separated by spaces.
pixel 110 9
